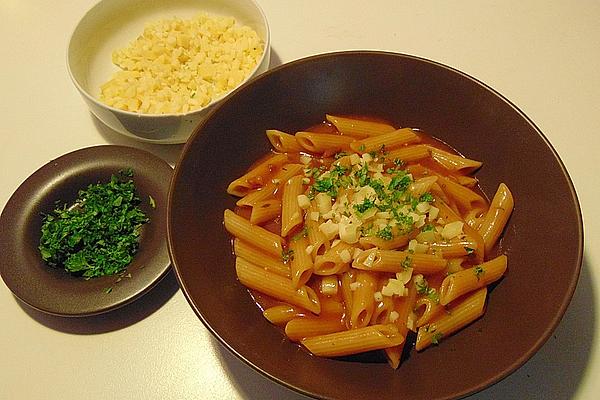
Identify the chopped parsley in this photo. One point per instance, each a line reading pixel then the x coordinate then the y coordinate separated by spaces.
pixel 469 250
pixel 478 271
pixel 399 182
pixel 436 338
pixel 365 206
pixel 385 233
pixel 426 197
pixel 407 262
pixel 427 227
pixel 424 289
pixel 302 234
pixel 99 233
pixel 287 255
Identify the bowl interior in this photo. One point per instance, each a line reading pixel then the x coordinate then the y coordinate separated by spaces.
pixel 406 91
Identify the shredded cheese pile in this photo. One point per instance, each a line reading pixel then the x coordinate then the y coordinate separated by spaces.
pixel 179 65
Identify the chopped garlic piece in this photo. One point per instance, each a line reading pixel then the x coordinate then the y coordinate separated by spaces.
pixel 303 201
pixel 345 256
pixel 452 230
pixel 354 286
pixel 323 201
pixel 305 159
pixel 314 215
pixel 378 296
pixel 354 159
pixel 426 237
pixel 394 316
pixel 329 228
pixel 423 207
pixel 404 276
pixel 433 213
pixel 309 249
pixel 370 259
pixel 348 232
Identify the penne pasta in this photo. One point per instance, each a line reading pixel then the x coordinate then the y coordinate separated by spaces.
pixel 453 162
pixel 427 310
pixel 497 216
pixel 382 311
pixel 334 261
pixel 276 286
pixel 397 261
pixel 465 198
pixel 354 341
pixel 270 188
pixel 323 142
pixel 387 141
pixel 409 153
pixel 422 185
pixel 404 307
pixel 260 258
pixel 359 128
pixel 302 263
pixel 282 314
pixel 283 142
pixel 257 176
pixel 363 302
pixel 259 237
pixel 306 327
pixel 473 278
pixel 467 311
pixel 291 213
pixel 265 210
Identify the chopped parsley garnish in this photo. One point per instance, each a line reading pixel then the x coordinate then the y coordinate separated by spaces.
pixel 405 222
pixel 362 175
pixel 386 233
pixel 365 206
pixel 287 255
pixel 399 182
pixel 469 250
pixel 436 338
pixel 302 234
pixel 426 197
pixel 478 271
pixel 407 263
pixel 427 227
pixel 99 233
pixel 424 289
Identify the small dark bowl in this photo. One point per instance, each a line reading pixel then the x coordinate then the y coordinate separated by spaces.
pixel 407 91
pixel 53 290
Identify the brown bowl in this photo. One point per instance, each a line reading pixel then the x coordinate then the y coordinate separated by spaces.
pixel 53 290
pixel 523 309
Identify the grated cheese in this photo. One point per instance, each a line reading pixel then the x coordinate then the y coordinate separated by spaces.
pixel 180 65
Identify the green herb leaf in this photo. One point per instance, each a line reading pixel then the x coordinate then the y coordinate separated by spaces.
pixel 478 271
pixel 99 234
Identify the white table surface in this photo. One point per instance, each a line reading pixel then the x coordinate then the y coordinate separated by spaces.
pixel 543 56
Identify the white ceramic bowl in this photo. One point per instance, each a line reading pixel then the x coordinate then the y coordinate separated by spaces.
pixel 112 24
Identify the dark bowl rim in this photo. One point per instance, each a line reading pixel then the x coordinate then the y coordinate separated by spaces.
pixel 518 363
